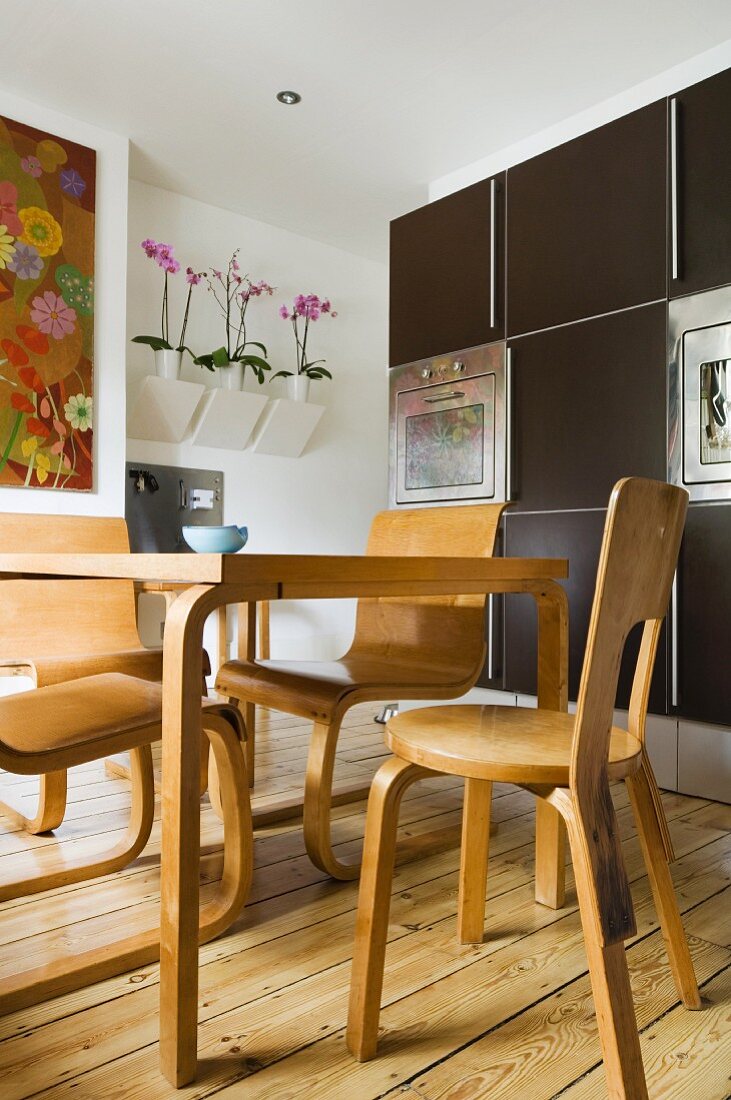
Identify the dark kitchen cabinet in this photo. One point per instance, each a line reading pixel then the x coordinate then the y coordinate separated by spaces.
pixel 447 263
pixel 586 224
pixel 700 171
pixel 704 615
pixel 588 408
pixel 576 536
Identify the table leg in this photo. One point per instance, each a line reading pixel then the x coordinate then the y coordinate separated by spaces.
pixel 181 734
pixel 553 645
pixel 247 652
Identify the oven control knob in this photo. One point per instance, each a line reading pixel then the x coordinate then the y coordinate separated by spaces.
pixel 426 372
pixel 458 366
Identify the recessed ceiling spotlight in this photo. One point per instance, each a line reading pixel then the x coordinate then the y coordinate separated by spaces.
pixel 290 98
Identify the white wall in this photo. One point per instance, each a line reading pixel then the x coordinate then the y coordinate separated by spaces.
pixel 324 500
pixel 664 84
pixel 107 497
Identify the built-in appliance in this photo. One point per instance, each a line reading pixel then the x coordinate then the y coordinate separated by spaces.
pixel 699 394
pixel 160 500
pixel 449 423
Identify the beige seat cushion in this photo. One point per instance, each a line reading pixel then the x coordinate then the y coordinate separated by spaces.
pixel 82 720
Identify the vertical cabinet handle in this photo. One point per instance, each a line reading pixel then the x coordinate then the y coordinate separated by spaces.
pixel 493 253
pixel 509 424
pixel 674 693
pixel 490 638
pixel 674 229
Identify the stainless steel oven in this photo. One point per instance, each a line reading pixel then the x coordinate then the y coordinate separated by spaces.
pixel 448 422
pixel 699 394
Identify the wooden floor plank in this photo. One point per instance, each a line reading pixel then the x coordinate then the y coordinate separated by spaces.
pixel 273 990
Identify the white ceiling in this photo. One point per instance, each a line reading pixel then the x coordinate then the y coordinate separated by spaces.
pixel 395 93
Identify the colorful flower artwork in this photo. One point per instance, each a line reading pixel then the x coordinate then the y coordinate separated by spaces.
pixel 47 191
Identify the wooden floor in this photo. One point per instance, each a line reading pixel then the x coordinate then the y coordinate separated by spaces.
pixel 511 1018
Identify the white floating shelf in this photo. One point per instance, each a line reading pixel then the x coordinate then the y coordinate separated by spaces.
pixel 164 408
pixel 288 427
pixel 227 417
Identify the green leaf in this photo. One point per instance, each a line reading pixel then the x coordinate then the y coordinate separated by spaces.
pixel 254 361
pixel 155 342
pixel 219 357
pixel 318 372
pixel 204 361
pixel 256 344
pixel 281 374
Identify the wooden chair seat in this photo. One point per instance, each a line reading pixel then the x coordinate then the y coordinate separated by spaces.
pixel 319 689
pixel 80 720
pixel 504 744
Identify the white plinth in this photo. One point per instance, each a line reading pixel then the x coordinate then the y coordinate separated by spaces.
pixel 288 428
pixel 163 409
pixel 226 418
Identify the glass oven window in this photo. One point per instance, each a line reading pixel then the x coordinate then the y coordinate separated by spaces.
pixel 445 448
pixel 715 415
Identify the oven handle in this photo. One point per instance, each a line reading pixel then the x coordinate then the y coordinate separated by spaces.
pixel 443 397
pixel 509 424
pixel 493 253
pixel 674 239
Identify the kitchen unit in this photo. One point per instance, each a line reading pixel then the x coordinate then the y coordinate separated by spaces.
pixel 585 227
pixel 615 243
pixel 699 253
pixel 447 274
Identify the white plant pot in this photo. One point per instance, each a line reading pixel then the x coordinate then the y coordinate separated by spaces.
pixel 298 387
pixel 232 376
pixel 168 363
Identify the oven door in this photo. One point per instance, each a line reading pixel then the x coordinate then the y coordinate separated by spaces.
pixel 707 405
pixel 448 441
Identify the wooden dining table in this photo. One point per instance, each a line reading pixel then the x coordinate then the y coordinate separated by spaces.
pixel 216 580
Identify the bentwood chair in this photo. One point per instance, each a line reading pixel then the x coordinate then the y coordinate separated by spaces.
pixel 55 631
pixel 404 648
pixel 57 727
pixel 568 761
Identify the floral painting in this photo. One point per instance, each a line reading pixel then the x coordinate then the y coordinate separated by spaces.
pixel 47 190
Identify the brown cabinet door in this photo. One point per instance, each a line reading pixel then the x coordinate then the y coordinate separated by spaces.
pixel 704 618
pixel 578 537
pixel 700 186
pixel 588 409
pixel 586 224
pixel 447 274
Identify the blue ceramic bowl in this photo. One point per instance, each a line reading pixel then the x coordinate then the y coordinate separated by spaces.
pixel 216 540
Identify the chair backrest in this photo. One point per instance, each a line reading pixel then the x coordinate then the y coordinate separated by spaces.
pixel 435 631
pixel 54 618
pixel 638 557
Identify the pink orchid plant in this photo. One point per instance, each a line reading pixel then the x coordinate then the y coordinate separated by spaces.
pixel 233 293
pixel 305 309
pixel 163 255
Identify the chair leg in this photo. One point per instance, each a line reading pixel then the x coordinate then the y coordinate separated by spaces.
pixel 374 901
pixel 116 857
pixel 82 968
pixel 318 802
pixel 214 786
pixel 550 856
pixel 473 862
pixel 51 806
pixel 658 872
pixel 615 1013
